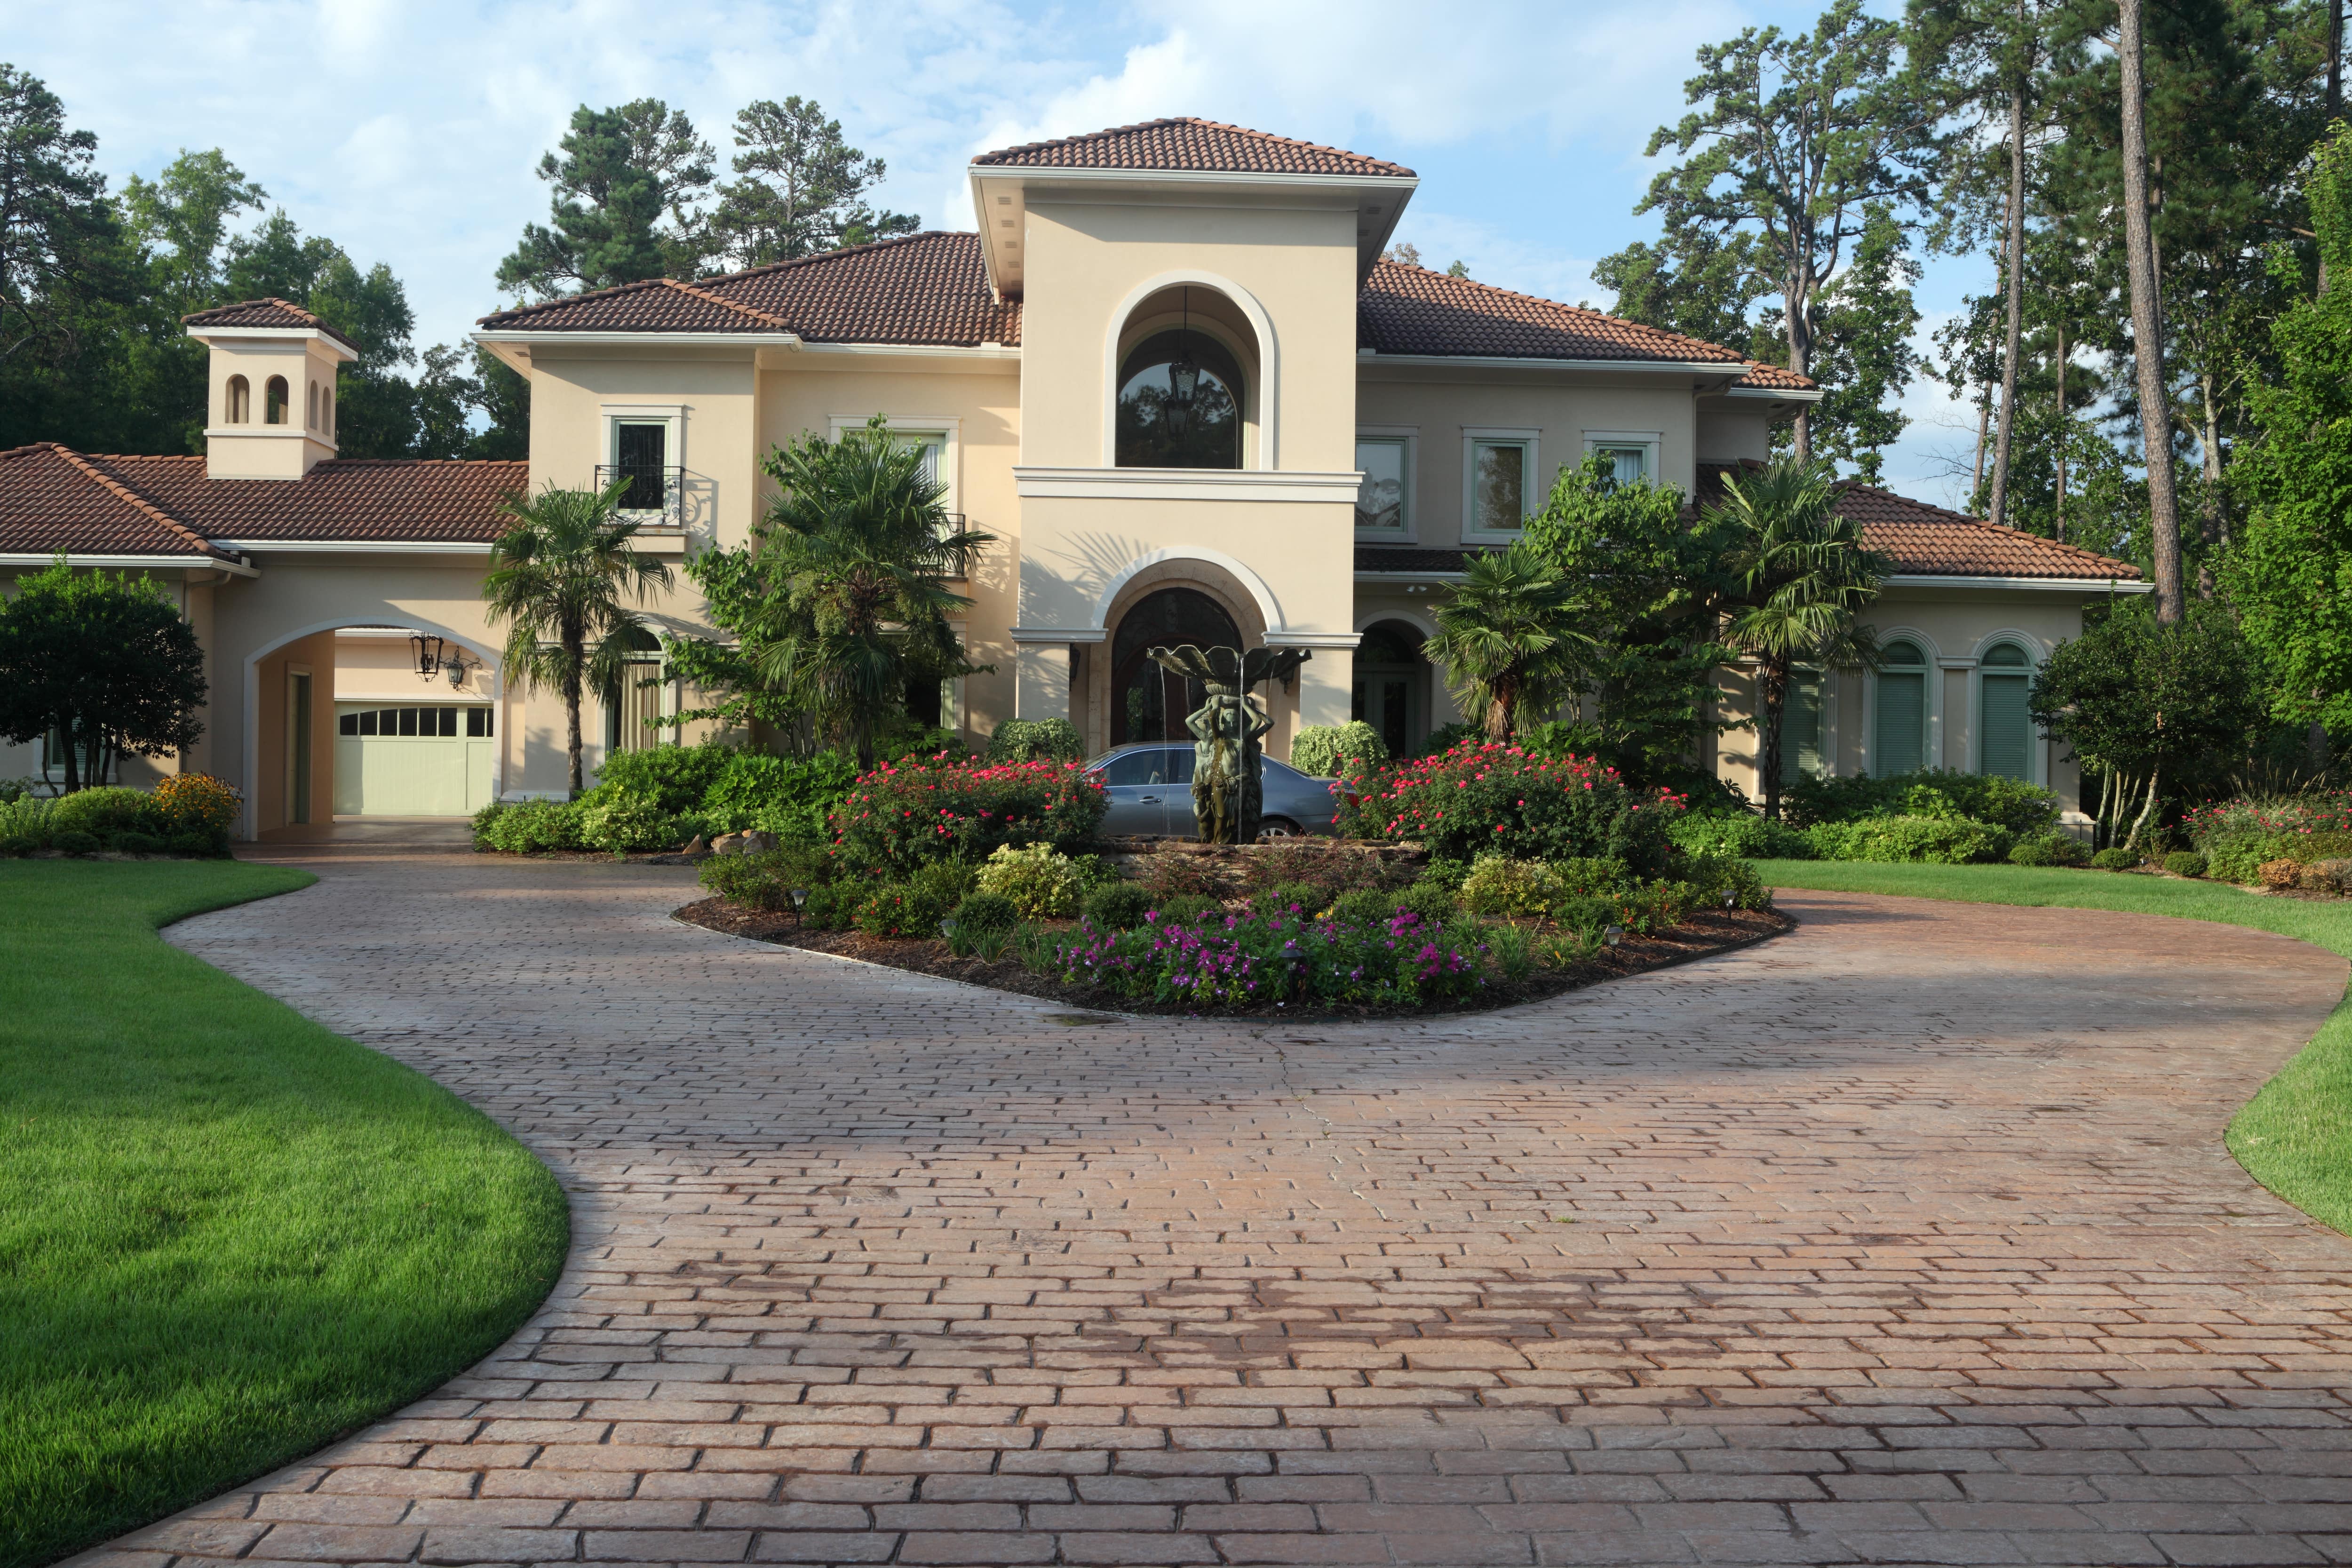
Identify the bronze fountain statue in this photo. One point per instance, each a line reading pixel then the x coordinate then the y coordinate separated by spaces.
pixel 1227 796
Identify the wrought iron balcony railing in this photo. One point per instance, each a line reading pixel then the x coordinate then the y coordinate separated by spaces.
pixel 654 493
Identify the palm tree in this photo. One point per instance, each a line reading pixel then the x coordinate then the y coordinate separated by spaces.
pixel 1803 575
pixel 1505 638
pixel 558 576
pixel 863 551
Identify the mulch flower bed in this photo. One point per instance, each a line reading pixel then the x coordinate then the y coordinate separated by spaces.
pixel 1708 933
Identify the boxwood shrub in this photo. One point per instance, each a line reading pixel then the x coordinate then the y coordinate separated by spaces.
pixel 1934 840
pixel 1741 832
pixel 2011 804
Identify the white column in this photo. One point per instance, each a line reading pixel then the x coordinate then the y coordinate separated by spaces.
pixel 1327 686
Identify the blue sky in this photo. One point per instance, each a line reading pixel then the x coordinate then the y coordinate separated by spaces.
pixel 406 130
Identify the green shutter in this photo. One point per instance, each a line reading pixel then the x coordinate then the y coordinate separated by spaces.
pixel 2008 730
pixel 1801 726
pixel 1901 741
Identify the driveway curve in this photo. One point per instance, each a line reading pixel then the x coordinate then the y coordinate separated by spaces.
pixel 1908 1237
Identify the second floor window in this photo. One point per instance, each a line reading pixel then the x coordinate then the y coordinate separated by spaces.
pixel 1499 486
pixel 1384 499
pixel 1179 403
pixel 641 453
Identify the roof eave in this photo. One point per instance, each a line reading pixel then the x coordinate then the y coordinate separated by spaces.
pixel 123 560
pixel 1515 361
pixel 2027 584
pixel 1058 174
pixel 1776 394
pixel 341 350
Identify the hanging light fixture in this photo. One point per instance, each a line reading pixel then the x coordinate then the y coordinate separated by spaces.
pixel 427 650
pixel 1183 372
pixel 456 665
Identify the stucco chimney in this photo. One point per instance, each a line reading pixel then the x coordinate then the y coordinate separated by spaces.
pixel 270 394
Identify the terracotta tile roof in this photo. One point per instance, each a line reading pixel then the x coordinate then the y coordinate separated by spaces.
pixel 1928 542
pixel 1205 146
pixel 1407 558
pixel 1410 311
pixel 53 498
pixel 928 288
pixel 1772 376
pixel 377 500
pixel 265 312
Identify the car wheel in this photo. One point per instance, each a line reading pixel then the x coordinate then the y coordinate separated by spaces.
pixel 1278 827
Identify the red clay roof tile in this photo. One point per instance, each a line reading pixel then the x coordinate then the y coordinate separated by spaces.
pixel 1185 143
pixel 264 312
pixel 381 499
pixel 53 499
pixel 1410 311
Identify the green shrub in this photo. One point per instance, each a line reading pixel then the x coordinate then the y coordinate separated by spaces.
pixel 27 817
pixel 195 804
pixel 2116 859
pixel 1431 901
pixel 2018 807
pixel 1740 833
pixel 626 823
pixel 1306 898
pixel 1588 917
pixel 902 908
pixel 1042 883
pixel 2185 863
pixel 101 811
pixel 1320 749
pixel 1446 877
pixel 75 842
pixel 1036 739
pixel 1934 840
pixel 1185 907
pixel 1502 888
pixel 1592 874
pixel 1509 951
pixel 16 846
pixel 137 844
pixel 1117 906
pixel 766 881
pixel 2049 849
pixel 2238 856
pixel 529 828
pixel 16 789
pixel 197 846
pixel 783 796
pixel 670 778
pixel 1366 906
pixel 1710 876
pixel 899 817
pixel 833 906
pixel 1480 799
pixel 987 911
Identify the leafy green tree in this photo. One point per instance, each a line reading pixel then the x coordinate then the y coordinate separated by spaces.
pixel 842 602
pixel 626 180
pixel 1803 577
pixel 108 662
pixel 800 188
pixel 1701 282
pixel 1796 143
pixel 1507 639
pixel 2158 708
pixel 452 386
pixel 557 577
pixel 58 232
pixel 2291 573
pixel 1646 581
pixel 1861 355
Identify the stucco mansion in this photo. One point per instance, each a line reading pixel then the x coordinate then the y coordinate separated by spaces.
pixel 1169 371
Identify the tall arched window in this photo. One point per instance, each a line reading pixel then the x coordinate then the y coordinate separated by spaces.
pixel 241 401
pixel 273 400
pixel 2005 730
pixel 311 409
pixel 1179 403
pixel 327 410
pixel 1146 702
pixel 1900 743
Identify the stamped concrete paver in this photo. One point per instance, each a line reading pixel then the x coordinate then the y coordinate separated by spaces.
pixel 1907 1238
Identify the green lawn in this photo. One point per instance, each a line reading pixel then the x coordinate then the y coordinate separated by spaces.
pixel 227 1236
pixel 2296 1136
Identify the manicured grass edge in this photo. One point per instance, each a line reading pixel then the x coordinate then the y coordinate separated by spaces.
pixel 2294 1136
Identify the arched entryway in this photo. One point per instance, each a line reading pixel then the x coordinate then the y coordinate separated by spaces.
pixel 1146 702
pixel 1393 686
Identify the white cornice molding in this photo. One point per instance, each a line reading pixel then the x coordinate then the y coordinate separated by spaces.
pixel 291 336
pixel 1780 394
pixel 1187 484
pixel 1060 634
pixel 1313 639
pixel 125 563
pixel 2027 584
pixel 1367 357
pixel 1406 579
pixel 791 342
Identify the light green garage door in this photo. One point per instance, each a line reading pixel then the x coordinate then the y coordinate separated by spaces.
pixel 413 761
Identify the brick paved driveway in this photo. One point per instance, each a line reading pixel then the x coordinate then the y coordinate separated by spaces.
pixel 1907 1238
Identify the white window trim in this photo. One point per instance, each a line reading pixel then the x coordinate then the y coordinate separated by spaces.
pixel 1650 441
pixel 2037 747
pixel 1935 669
pixel 1408 532
pixel 948 429
pixel 1472 436
pixel 672 414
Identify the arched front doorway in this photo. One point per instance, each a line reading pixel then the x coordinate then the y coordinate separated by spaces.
pixel 1146 702
pixel 1391 691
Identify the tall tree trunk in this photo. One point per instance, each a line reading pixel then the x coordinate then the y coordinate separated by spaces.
pixel 2148 327
pixel 69 742
pixel 2014 330
pixel 1772 692
pixel 1984 424
pixel 1800 332
pixel 2061 528
pixel 574 652
pixel 2213 516
pixel 2139 823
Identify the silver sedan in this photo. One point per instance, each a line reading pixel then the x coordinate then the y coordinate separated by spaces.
pixel 1150 791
